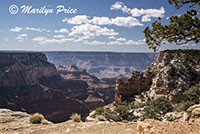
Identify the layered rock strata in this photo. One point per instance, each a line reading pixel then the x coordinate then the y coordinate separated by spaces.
pixel 173 72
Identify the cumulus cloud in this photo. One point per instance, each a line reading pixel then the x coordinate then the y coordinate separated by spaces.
pixel 126 21
pixel 87 31
pixel 44 40
pixel 120 6
pixel 63 30
pixel 79 19
pixel 119 21
pixel 16 29
pixel 146 14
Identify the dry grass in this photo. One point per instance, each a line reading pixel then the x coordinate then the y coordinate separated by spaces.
pixel 36 118
pixel 76 117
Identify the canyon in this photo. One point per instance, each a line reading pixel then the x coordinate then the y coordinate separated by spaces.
pixel 28 82
pixel 103 64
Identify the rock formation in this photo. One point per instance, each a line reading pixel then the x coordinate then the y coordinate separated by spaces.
pixel 24 69
pixel 173 72
pixel 138 82
pixel 28 82
pixel 90 90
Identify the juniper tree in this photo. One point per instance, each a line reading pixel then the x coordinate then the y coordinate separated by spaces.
pixel 180 30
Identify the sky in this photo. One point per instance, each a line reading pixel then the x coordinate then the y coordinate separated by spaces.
pixel 81 25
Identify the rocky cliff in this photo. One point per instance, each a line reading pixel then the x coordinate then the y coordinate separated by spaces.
pixel 103 64
pixel 28 82
pixel 91 90
pixel 24 69
pixel 173 72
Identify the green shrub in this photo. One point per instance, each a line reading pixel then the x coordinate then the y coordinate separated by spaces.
pixel 99 111
pixel 193 93
pixel 76 117
pixel 183 106
pixel 122 110
pixel 155 108
pixel 139 105
pixel 36 118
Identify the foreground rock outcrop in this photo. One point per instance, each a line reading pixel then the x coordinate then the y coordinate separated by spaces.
pixel 18 122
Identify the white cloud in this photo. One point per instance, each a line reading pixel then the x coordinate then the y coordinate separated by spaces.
pixel 132 42
pixel 123 41
pixel 44 40
pixel 95 43
pixel 23 35
pixel 115 43
pixel 37 29
pixel 63 30
pixel 126 21
pixel 16 29
pixel 87 31
pixel 79 19
pixel 19 38
pixel 111 37
pixel 101 21
pixel 82 38
pixel 120 6
pixel 59 36
pixel 146 14
pixel 119 21
pixel 33 29
pixel 39 39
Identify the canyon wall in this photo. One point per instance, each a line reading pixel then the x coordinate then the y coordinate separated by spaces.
pixel 24 69
pixel 28 82
pixel 104 64
pixel 170 75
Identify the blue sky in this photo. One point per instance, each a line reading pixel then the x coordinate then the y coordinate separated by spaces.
pixel 95 25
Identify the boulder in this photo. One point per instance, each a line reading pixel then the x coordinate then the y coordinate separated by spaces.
pixel 193 112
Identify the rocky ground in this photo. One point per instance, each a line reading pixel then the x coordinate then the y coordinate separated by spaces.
pixel 18 123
